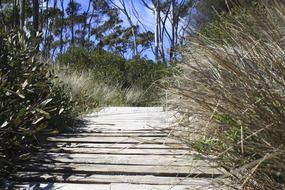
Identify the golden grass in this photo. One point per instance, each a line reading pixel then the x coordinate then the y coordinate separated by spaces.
pixel 231 100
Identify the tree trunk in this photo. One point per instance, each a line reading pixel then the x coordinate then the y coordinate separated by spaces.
pixel 156 33
pixel 72 24
pixel 15 14
pixel 173 27
pixel 47 32
pixel 35 18
pixel 83 34
pixel 22 14
pixel 62 25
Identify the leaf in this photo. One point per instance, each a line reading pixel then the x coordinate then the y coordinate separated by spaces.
pixel 4 124
pixel 46 101
pixel 20 95
pixel 25 84
pixel 43 112
pixel 38 120
pixel 61 110
pixel 19 116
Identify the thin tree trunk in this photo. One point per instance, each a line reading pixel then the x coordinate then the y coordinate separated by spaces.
pixel 15 14
pixel 72 24
pixel 173 28
pixel 35 18
pixel 85 24
pixel 51 29
pixel 47 31
pixel 22 14
pixel 62 25
pixel 156 34
pixel 90 25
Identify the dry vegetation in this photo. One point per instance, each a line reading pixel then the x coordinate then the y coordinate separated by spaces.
pixel 230 96
pixel 89 94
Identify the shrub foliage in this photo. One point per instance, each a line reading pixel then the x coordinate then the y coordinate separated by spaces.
pixel 30 103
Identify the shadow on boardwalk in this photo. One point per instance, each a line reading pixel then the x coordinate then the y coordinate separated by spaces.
pixel 117 148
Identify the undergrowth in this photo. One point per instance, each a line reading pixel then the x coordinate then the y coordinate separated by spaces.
pixel 31 104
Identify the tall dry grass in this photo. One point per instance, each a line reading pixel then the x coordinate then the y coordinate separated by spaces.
pixel 230 97
pixel 90 94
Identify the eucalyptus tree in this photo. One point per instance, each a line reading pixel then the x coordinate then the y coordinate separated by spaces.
pixel 170 22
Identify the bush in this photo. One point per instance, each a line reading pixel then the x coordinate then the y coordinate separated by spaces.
pixel 230 97
pixel 137 75
pixel 30 103
pixel 106 67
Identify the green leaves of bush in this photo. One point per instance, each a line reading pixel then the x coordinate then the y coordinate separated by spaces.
pixel 29 101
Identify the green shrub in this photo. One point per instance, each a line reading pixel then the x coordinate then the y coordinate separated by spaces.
pixel 233 95
pixel 138 76
pixel 106 67
pixel 146 75
pixel 30 103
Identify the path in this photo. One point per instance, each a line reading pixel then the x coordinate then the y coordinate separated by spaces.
pixel 121 148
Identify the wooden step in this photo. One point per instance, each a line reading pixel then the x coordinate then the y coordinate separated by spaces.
pixel 151 160
pixel 117 145
pixel 112 186
pixel 108 179
pixel 90 139
pixel 122 150
pixel 119 169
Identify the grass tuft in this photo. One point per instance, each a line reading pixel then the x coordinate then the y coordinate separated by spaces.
pixel 230 96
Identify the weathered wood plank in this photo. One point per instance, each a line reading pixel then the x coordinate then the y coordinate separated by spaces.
pixel 127 126
pixel 112 186
pixel 127 186
pixel 62 186
pixel 135 134
pixel 117 169
pixel 107 179
pixel 149 151
pixel 118 145
pixel 159 160
pixel 145 140
pixel 116 130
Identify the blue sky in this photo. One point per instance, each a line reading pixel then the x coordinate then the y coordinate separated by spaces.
pixel 145 15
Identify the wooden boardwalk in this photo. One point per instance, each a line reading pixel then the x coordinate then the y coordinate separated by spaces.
pixel 121 148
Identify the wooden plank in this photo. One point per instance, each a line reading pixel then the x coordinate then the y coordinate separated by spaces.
pixel 145 140
pixel 151 160
pixel 61 186
pixel 126 110
pixel 120 131
pixel 128 186
pixel 118 145
pixel 149 151
pixel 126 127
pixel 107 179
pixel 101 129
pixel 117 169
pixel 112 186
pixel 135 134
